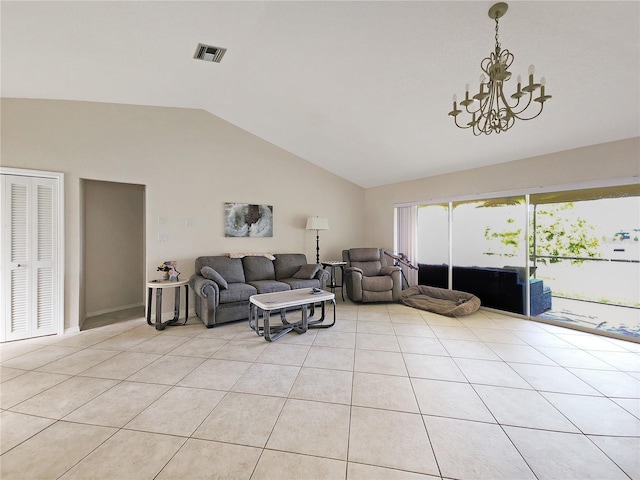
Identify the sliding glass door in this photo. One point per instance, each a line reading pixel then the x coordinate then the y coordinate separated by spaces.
pixel 571 257
pixel 489 251
pixel 433 245
pixel 490 233
pixel 586 244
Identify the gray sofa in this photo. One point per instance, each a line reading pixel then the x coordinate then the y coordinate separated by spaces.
pixel 224 296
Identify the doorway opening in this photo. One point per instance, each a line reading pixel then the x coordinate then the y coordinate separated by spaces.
pixel 114 252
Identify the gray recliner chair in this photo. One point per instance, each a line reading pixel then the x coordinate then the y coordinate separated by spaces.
pixel 368 277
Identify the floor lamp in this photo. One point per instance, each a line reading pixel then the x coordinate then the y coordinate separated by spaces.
pixel 317 224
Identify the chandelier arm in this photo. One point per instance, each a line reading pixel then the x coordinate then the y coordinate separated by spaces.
pixel 469 110
pixel 493 112
pixel 486 128
pixel 464 127
pixel 476 129
pixel 509 122
pixel 480 122
pixel 484 122
pixel 509 109
pixel 513 108
pixel 532 117
pixel 518 114
pixel 485 101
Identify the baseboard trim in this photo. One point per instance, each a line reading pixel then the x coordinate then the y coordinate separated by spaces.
pixel 115 309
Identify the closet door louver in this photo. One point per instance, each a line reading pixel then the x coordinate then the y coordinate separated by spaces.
pixel 17 209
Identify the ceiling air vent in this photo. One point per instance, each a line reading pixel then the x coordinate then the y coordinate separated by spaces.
pixel 209 53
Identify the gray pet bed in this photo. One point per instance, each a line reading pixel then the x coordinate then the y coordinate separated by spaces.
pixel 439 300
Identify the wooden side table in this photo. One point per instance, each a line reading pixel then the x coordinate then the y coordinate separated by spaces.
pixel 160 285
pixel 333 264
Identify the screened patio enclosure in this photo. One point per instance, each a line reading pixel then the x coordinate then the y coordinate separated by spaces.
pixel 586 243
pixel 579 250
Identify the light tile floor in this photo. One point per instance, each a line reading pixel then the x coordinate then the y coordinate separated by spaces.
pixel 388 393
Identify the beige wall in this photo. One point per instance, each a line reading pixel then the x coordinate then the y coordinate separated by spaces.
pixel 190 163
pixel 113 245
pixel 608 161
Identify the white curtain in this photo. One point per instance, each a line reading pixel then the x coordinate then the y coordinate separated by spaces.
pixel 406 240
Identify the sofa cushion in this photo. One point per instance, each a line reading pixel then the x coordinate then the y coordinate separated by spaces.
pixel 258 268
pixel 229 268
pixel 237 292
pixel 211 274
pixel 307 272
pixel 296 283
pixel 377 284
pixel 287 264
pixel 270 286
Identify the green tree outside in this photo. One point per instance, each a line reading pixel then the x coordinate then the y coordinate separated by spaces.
pixel 559 232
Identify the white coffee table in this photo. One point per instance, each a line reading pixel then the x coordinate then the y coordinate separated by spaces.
pixel 265 303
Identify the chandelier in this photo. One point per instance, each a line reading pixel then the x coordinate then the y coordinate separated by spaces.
pixel 490 109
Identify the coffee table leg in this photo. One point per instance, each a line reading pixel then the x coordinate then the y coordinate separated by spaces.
pixel 301 326
pixel 254 318
pixel 278 331
pixel 318 323
pixel 283 316
pixel 305 318
pixel 267 327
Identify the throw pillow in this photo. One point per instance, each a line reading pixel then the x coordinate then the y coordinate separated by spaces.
pixel 307 272
pixel 211 274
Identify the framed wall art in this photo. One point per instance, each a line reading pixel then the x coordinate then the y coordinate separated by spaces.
pixel 248 220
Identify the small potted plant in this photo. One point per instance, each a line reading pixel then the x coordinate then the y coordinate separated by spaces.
pixel 169 271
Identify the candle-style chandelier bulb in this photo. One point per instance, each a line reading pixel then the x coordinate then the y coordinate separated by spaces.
pixel 490 109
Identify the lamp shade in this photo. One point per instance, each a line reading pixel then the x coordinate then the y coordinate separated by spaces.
pixel 317 223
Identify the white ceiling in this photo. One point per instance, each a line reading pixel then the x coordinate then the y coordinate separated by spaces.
pixel 359 88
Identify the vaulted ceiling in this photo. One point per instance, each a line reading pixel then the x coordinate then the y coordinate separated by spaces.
pixel 360 88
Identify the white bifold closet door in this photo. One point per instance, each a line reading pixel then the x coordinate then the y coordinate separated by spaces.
pixel 30 290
